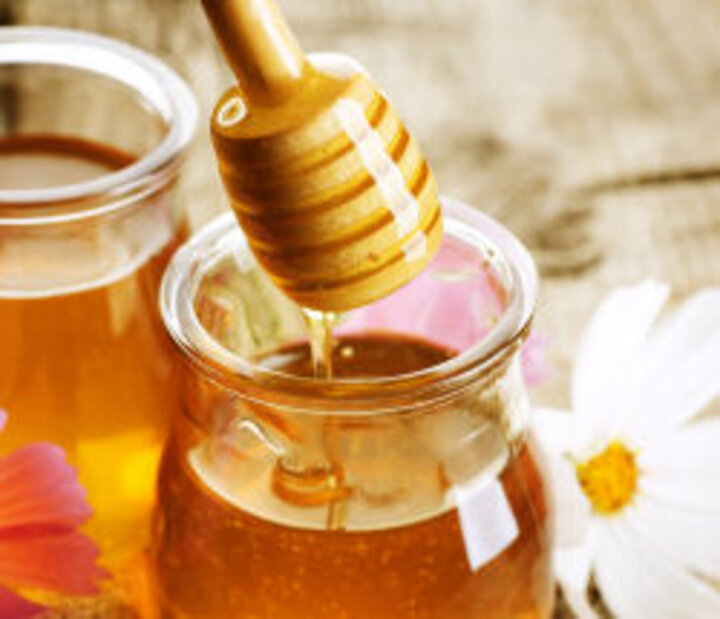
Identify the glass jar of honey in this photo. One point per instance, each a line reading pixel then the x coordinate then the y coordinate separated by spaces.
pixel 92 134
pixel 401 483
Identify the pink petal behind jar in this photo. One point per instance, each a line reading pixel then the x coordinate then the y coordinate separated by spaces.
pixel 38 486
pixel 536 367
pixel 41 505
pixel 14 607
pixel 454 302
pixel 59 560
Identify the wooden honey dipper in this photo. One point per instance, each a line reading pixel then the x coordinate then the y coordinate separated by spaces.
pixel 336 199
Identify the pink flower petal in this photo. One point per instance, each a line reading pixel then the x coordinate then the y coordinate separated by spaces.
pixel 38 487
pixel 41 504
pixel 12 606
pixel 3 419
pixel 58 560
pixel 454 302
pixel 536 367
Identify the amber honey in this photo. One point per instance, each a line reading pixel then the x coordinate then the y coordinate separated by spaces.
pixel 84 359
pixel 230 544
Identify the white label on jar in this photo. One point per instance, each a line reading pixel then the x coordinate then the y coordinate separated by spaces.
pixel 486 519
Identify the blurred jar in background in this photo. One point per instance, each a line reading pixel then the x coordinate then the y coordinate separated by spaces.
pixel 92 135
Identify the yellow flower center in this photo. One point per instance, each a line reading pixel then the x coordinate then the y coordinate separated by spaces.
pixel 609 479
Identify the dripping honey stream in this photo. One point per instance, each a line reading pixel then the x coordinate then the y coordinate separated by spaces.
pixel 323 480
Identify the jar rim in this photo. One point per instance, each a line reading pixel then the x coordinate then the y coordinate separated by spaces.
pixel 157 84
pixel 266 385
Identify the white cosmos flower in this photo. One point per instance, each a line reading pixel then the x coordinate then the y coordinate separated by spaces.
pixel 635 466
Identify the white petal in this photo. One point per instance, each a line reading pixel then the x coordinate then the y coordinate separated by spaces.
pixel 572 568
pixel 609 352
pixel 578 603
pixel 683 467
pixel 700 492
pixel 679 497
pixel 692 448
pixel 615 577
pixel 556 430
pixel 571 507
pixel 690 537
pixel 638 580
pixel 681 373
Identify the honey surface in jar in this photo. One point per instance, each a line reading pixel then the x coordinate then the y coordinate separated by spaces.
pixel 229 546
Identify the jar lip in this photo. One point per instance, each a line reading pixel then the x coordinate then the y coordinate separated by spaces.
pixel 266 385
pixel 151 78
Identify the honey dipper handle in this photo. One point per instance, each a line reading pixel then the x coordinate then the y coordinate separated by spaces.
pixel 260 47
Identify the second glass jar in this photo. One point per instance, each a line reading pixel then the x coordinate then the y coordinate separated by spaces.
pixel 403 487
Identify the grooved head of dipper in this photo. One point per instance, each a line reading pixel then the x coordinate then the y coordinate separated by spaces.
pixel 338 203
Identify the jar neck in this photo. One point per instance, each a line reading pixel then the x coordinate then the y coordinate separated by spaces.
pixel 364 397
pixel 47 74
pixel 54 211
pixel 219 257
